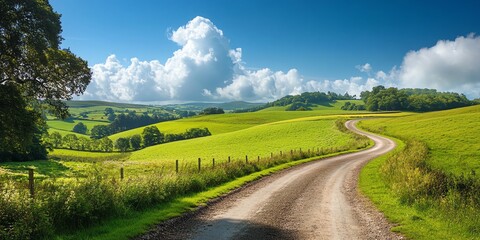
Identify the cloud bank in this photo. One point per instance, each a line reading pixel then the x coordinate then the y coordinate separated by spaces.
pixel 447 66
pixel 206 68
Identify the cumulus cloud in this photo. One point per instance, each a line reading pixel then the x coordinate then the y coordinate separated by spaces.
pixel 364 68
pixel 206 68
pixel 447 66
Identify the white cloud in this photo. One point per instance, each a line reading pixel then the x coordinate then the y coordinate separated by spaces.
pixel 447 66
pixel 206 68
pixel 364 68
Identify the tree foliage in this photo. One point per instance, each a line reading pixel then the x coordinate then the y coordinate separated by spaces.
pixel 33 67
pixel 152 136
pixel 212 110
pixel 122 144
pixel 80 128
pixel 409 99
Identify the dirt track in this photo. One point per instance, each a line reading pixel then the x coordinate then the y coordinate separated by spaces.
pixel 317 200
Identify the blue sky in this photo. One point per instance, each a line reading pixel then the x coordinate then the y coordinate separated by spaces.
pixel 322 41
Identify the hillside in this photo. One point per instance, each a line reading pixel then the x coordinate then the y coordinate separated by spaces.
pixel 222 123
pixel 430 184
pixel 452 136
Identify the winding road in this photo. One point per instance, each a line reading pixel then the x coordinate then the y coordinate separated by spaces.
pixel 316 200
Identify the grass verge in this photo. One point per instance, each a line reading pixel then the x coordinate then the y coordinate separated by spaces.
pixel 136 223
pixel 425 203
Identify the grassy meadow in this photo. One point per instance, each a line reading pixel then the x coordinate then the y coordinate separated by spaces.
pixel 429 185
pixel 150 177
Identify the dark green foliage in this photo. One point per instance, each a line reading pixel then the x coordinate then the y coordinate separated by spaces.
pixel 100 131
pixel 108 111
pixel 212 110
pixel 21 127
pixel 417 100
pixel 302 102
pixel 33 67
pixel 123 122
pixel 298 106
pixel 196 132
pixel 122 144
pixel 111 117
pixel 151 136
pixel 136 142
pixel 353 107
pixel 80 128
pixel 31 58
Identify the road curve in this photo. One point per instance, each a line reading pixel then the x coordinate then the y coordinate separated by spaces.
pixel 316 200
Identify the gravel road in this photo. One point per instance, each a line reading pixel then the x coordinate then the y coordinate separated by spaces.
pixel 316 200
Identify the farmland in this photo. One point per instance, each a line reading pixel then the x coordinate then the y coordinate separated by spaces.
pixel 254 142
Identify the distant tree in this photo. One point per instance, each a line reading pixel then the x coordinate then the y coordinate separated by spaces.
pixel 84 114
pixel 171 137
pixel 111 117
pixel 106 144
pixel 196 132
pixel 136 142
pixel 70 141
pixel 108 111
pixel 212 110
pixel 122 144
pixel 80 128
pixel 100 131
pixel 151 136
pixel 83 144
pixel 55 139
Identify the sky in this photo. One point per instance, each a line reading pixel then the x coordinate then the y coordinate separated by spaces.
pixel 261 50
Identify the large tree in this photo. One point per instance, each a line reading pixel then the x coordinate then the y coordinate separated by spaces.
pixel 33 69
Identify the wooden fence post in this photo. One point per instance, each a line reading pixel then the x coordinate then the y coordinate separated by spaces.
pixel 281 154
pixel 213 163
pixel 31 183
pixel 271 155
pixel 246 158
pixel 228 159
pixel 121 173
pixel 291 152
pixel 199 164
pixel 258 158
pixel 176 166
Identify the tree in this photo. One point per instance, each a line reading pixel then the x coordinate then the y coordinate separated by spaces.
pixel 212 110
pixel 151 136
pixel 122 144
pixel 136 142
pixel 80 128
pixel 55 139
pixel 70 141
pixel 100 131
pixel 106 144
pixel 18 125
pixel 108 111
pixel 33 67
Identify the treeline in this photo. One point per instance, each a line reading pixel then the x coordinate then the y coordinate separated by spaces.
pixel 409 99
pixel 353 107
pixel 301 102
pixel 149 137
pixel 123 122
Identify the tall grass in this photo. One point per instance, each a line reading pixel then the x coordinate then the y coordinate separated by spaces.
pixel 66 205
pixel 454 198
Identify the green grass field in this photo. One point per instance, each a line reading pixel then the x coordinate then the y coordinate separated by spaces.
pixel 68 125
pixel 223 123
pixel 451 138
